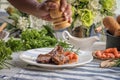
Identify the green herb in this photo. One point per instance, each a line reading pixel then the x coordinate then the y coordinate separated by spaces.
pixel 50 31
pixel 77 51
pixel 32 38
pixel 5 54
pixel 63 44
pixel 15 44
pixel 29 34
pixel 117 63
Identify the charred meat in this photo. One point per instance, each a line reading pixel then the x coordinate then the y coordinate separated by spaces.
pixel 56 56
pixel 44 58
pixel 59 59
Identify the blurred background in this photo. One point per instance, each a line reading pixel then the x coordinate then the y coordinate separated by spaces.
pixel 4 4
pixel 33 22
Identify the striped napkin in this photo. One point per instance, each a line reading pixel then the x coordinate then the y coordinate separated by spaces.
pixel 90 71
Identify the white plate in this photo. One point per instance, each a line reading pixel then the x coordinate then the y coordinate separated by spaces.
pixel 30 57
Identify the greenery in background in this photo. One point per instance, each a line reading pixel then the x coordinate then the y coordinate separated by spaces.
pixel 32 38
pixel 87 11
pixel 21 20
pixel 15 44
pixel 5 54
pixel 79 13
pixel 107 6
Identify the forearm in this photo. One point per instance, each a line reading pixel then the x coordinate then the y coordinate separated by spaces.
pixel 27 6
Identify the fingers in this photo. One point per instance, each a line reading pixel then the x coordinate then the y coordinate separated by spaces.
pixel 47 18
pixel 68 13
pixel 63 4
pixel 51 5
pixel 66 9
pixel 47 5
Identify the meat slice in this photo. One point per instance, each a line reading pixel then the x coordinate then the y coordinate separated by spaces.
pixel 60 59
pixel 44 58
pixel 55 56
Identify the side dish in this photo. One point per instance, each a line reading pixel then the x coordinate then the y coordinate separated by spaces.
pixel 110 53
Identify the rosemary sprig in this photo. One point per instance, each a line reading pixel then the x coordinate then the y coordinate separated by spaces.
pixel 117 63
pixel 72 49
pixel 77 51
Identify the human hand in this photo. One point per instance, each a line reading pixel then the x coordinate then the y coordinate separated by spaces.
pixel 47 5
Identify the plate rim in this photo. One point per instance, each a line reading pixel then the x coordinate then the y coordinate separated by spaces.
pixel 50 65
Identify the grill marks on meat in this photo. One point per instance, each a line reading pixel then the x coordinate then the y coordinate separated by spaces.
pixel 60 59
pixel 56 56
pixel 44 58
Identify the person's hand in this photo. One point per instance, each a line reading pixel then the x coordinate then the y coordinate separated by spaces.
pixel 47 5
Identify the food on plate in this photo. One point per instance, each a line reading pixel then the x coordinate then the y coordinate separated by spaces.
pixel 112 25
pixel 58 56
pixel 110 53
pixel 107 63
pixel 110 63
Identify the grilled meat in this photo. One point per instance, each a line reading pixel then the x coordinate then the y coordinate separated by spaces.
pixel 60 59
pixel 44 58
pixel 55 56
